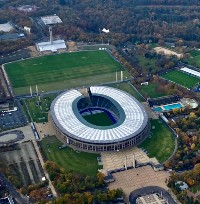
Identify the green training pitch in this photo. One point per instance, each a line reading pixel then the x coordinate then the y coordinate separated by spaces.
pixel 181 78
pixel 160 143
pixel 62 71
pixel 99 119
pixel 67 158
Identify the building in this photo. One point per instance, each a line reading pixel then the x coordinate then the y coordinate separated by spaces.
pixel 151 199
pixel 51 20
pixel 53 47
pixel 6 27
pixel 182 185
pixel 129 120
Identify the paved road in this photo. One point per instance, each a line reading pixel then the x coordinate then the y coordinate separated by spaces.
pixel 12 190
pixel 149 190
pixel 42 163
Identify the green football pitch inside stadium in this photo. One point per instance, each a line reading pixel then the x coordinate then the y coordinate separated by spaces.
pixel 99 119
pixel 62 71
pixel 181 78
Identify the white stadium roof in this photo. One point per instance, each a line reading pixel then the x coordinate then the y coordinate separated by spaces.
pixel 190 71
pixel 50 20
pixel 47 46
pixel 65 118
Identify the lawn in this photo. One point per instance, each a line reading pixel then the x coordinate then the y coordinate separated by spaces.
pixel 39 109
pixel 181 78
pixel 67 158
pixel 129 89
pixel 194 53
pixel 160 143
pixel 99 119
pixel 62 71
pixel 195 61
pixel 150 91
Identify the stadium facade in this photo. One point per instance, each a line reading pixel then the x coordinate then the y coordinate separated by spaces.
pixel 129 119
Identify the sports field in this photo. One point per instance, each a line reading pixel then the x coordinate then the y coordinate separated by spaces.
pixel 67 158
pixel 181 78
pixel 160 143
pixel 62 71
pixel 99 119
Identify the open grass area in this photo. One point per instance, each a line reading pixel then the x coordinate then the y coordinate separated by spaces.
pixel 194 53
pixel 62 71
pixel 160 143
pixel 195 61
pixel 195 188
pixel 67 158
pixel 181 78
pixel 129 89
pixel 99 119
pixel 148 64
pixel 150 91
pixel 39 109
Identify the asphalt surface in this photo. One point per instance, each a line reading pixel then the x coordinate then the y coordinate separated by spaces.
pixel 150 190
pixel 12 190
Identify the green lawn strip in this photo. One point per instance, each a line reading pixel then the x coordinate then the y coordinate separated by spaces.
pixel 160 143
pixel 99 119
pixel 195 61
pixel 181 78
pixel 67 158
pixel 129 89
pixel 194 53
pixel 38 114
pixel 61 68
pixel 150 90
pixel 195 188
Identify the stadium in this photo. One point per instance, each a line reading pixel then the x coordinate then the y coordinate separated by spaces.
pixel 98 119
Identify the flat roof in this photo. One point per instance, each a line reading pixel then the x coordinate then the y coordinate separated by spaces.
pixel 47 46
pixel 50 20
pixel 6 27
pixel 65 117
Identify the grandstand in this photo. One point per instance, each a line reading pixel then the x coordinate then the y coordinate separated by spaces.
pixel 190 72
pixel 162 100
pixel 127 126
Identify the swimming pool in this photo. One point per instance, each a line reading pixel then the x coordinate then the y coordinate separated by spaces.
pixel 172 106
pixel 168 107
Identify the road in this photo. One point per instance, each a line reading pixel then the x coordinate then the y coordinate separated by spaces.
pixel 42 163
pixel 149 190
pixel 17 196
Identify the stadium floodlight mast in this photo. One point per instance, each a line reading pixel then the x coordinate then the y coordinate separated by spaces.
pixel 31 92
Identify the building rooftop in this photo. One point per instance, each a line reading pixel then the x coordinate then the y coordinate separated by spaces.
pixel 151 199
pixel 133 118
pixel 6 27
pixel 47 46
pixel 50 20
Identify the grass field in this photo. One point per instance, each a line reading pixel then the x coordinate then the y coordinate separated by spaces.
pixel 195 61
pixel 150 91
pixel 67 158
pixel 63 71
pixel 39 111
pixel 194 53
pixel 181 78
pixel 99 119
pixel 160 143
pixel 129 89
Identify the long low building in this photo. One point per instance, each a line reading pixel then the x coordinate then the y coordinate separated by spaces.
pixel 53 47
pixel 191 72
pixel 128 121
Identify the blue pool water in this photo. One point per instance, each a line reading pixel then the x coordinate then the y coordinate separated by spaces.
pixel 158 109
pixel 168 107
pixel 172 106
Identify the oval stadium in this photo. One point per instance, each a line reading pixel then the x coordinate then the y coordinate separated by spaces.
pixel 98 119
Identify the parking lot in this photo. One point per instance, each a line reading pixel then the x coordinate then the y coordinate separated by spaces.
pixel 10 120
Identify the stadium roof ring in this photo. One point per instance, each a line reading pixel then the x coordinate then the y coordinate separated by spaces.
pixel 131 124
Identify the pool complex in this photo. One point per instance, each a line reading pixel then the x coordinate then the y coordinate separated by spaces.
pixel 168 107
